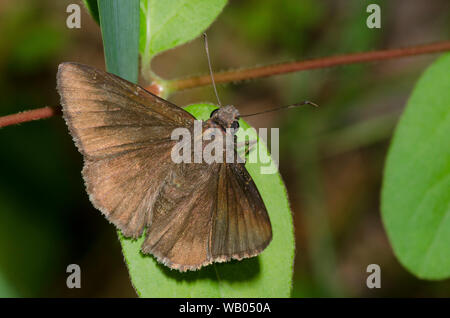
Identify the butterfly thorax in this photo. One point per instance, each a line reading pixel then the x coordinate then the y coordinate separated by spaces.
pixel 226 117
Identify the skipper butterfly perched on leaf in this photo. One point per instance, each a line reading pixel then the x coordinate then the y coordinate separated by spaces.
pixel 193 214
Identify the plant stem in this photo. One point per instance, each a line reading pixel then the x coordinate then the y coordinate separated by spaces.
pixel 257 72
pixel 29 115
pixel 283 68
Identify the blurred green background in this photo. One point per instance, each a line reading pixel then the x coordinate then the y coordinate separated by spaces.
pixel 331 159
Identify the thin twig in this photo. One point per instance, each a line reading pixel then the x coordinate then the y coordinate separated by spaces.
pixel 29 115
pixel 283 68
pixel 258 72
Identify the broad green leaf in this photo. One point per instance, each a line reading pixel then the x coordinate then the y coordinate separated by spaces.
pixel 416 186
pixel 166 24
pixel 267 275
pixel 119 22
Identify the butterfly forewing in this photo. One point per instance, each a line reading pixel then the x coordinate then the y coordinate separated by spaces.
pixel 123 132
pixel 107 114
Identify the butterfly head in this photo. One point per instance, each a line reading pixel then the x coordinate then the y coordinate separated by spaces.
pixel 226 116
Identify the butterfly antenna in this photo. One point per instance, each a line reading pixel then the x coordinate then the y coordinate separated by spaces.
pixel 306 102
pixel 210 68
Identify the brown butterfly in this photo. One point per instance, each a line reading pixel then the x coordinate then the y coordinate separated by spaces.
pixel 194 214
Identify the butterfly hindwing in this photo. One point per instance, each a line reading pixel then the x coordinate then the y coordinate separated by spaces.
pixel 241 226
pixel 220 216
pixel 180 228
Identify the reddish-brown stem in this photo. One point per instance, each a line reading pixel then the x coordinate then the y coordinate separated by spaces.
pixel 29 115
pixel 257 72
pixel 283 68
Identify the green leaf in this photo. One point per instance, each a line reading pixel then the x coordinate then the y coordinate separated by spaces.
pixel 119 22
pixel 92 7
pixel 267 275
pixel 166 24
pixel 416 186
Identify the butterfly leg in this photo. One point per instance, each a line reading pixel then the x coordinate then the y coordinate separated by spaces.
pixel 246 146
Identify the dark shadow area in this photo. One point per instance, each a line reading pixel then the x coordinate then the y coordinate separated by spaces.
pixel 233 271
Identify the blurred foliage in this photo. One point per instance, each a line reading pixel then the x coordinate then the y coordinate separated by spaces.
pixel 279 24
pixel 28 41
pixel 47 222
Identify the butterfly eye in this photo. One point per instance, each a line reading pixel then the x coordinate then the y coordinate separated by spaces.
pixel 213 112
pixel 235 125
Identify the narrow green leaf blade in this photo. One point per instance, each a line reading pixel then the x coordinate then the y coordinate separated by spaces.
pixel 166 24
pixel 416 185
pixel 268 275
pixel 119 22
